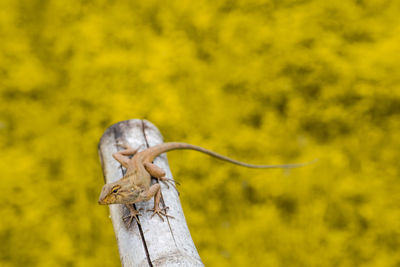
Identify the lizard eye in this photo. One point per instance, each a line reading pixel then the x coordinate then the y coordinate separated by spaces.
pixel 115 189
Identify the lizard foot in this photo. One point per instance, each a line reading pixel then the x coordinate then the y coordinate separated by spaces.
pixel 123 145
pixel 160 212
pixel 126 146
pixel 133 214
pixel 170 181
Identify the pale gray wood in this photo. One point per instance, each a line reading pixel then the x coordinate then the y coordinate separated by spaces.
pixel 167 243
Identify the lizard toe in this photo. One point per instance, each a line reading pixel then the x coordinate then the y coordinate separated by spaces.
pixel 161 212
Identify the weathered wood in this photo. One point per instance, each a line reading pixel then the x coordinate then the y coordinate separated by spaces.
pixel 153 242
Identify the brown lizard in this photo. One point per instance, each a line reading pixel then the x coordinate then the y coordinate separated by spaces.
pixel 135 186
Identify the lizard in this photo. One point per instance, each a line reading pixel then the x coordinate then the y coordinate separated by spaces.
pixel 135 186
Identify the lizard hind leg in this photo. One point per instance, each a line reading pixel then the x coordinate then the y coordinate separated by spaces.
pixel 123 155
pixel 159 173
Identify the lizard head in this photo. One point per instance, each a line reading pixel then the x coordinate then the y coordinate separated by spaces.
pixel 119 192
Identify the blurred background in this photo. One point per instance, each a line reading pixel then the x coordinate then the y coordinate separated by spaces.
pixel 260 81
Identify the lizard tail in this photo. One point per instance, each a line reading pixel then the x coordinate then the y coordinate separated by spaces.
pixel 165 147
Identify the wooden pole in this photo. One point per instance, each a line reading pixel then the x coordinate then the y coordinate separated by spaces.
pixel 152 242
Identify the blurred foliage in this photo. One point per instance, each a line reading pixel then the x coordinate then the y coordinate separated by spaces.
pixel 261 81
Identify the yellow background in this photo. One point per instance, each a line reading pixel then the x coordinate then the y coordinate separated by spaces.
pixel 261 81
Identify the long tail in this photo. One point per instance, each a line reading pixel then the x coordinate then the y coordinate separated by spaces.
pixel 165 147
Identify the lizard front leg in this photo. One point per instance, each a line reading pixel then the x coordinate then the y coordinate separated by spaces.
pixel 133 213
pixel 155 191
pixel 159 173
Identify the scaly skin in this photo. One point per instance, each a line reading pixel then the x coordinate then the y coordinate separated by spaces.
pixel 136 186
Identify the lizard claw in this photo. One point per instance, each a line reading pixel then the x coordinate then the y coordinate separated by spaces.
pixel 126 146
pixel 160 212
pixel 123 145
pixel 133 214
pixel 170 181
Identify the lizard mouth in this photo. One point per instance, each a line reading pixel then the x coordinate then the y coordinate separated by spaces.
pixel 102 202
